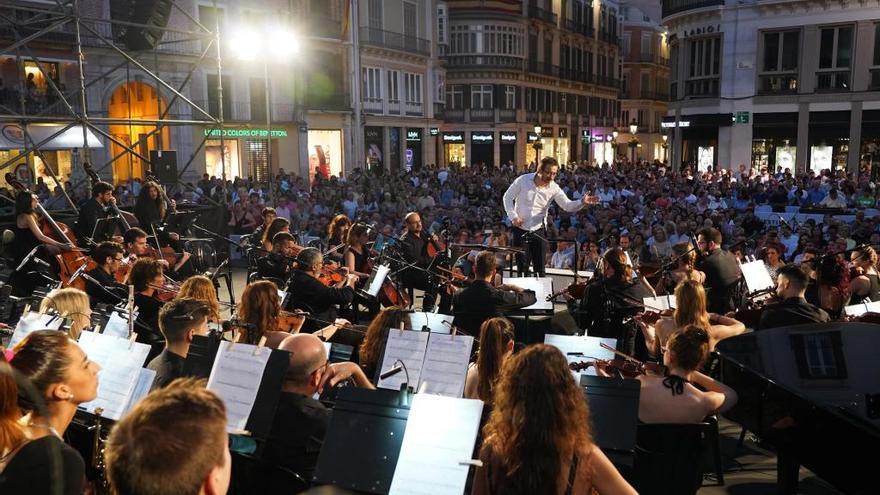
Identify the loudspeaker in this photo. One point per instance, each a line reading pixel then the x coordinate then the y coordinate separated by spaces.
pixel 163 164
pixel 153 13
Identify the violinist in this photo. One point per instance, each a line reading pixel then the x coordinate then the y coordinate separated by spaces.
pixel 310 294
pixel 369 352
pixel 480 300
pixel 414 249
pixel 676 398
pixel 201 288
pixel 150 210
pixel 865 286
pixel 277 225
pixel 28 236
pixel 496 346
pixel 91 212
pixel 277 265
pixel 146 275
pixel 337 235
pixel 69 303
pixel 260 309
pixel 108 257
pixel 721 268
pixel 179 320
pixel 685 269
pixel 356 259
pixel 791 288
pixel 268 214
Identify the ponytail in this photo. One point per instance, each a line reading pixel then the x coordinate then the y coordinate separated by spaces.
pixel 11 433
pixel 495 335
pixel 690 347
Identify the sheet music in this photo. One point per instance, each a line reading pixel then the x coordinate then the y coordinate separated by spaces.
pixel 117 325
pixel 121 363
pixel 659 303
pixel 578 348
pixel 860 309
pixel 407 346
pixel 436 322
pixel 446 362
pixel 543 287
pixel 34 321
pixel 235 377
pixel 757 276
pixel 141 389
pixel 440 435
pixel 377 279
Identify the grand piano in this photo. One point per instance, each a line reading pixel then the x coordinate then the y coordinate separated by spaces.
pixel 813 393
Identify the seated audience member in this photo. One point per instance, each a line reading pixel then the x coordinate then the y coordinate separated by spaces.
pixel 108 256
pixel 173 442
pixel 676 398
pixel 373 346
pixel 791 288
pixel 179 321
pixel 69 303
pixel 64 378
pixel 538 437
pixel 496 346
pixel 301 421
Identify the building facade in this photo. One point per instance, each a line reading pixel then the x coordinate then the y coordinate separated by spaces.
pixel 513 66
pixel 644 86
pixel 776 84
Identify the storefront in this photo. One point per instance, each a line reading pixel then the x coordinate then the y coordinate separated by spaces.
pixel 603 148
pixel 869 153
pixel 394 149
pixel 454 148
pixel 507 147
pixel 556 144
pixel 59 151
pixel 531 153
pixel 774 141
pixel 413 154
pixel 238 141
pixel 325 152
pixel 699 139
pixel 482 148
pixel 828 140
pixel 373 144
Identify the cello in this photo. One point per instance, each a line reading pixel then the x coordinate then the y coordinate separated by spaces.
pixel 69 261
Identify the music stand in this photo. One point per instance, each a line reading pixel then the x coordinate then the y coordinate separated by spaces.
pixel 368 426
pixel 374 283
pixel 757 278
pixel 614 411
pixel 430 322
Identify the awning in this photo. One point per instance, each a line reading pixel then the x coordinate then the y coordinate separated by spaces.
pixel 12 137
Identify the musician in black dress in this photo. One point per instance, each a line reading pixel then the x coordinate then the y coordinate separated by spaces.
pixel 277 265
pixel 865 287
pixel 307 293
pixel 151 212
pixel 721 269
pixel 27 237
pixel 609 304
pixel 87 229
pixel 791 287
pixel 480 300
pixel 356 258
pixel 413 247
pixel 101 284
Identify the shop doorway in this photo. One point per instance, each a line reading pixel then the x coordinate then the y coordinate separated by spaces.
pixel 135 100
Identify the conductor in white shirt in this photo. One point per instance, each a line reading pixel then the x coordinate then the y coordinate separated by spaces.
pixel 526 202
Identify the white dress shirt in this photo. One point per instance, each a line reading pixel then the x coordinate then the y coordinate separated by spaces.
pixel 525 200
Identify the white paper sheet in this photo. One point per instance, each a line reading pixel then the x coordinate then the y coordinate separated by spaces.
pixel 757 276
pixel 34 321
pixel 860 309
pixel 577 349
pixel 439 437
pixel 377 279
pixel 121 363
pixel 407 346
pixel 117 325
pixel 659 303
pixel 436 322
pixel 235 377
pixel 446 362
pixel 543 287
pixel 141 388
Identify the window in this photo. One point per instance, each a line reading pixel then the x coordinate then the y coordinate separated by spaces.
pixel 393 89
pixel 410 24
pixel 481 96
pixel 646 47
pixel 214 100
pixel 704 59
pixel 257 155
pixel 624 45
pixel 208 18
pixel 510 97
pixel 835 47
pixel 374 19
pixel 781 51
pixel 258 99
pixel 372 84
pixel 413 88
pixel 441 24
pixel 455 96
pixel 646 85
pixel 439 84
pixel 643 120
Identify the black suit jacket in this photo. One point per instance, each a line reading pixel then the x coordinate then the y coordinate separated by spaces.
pixel 480 301
pixel 108 283
pixel 415 249
pixel 309 294
pixel 792 311
pixel 89 214
pixel 722 273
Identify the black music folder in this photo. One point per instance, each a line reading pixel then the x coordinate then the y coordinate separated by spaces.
pixel 614 409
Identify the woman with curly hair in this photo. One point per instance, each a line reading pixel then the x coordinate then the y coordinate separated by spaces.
pixel 866 286
pixel 686 269
pixel 337 234
pixel 201 288
pixel 538 436
pixel 833 283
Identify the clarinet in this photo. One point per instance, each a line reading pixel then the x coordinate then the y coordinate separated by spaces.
pixel 102 485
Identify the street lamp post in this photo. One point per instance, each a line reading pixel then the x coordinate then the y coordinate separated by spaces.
pixel 614 135
pixel 634 142
pixel 538 146
pixel 665 138
pixel 609 138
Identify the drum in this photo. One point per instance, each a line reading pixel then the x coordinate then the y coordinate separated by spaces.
pixel 203 255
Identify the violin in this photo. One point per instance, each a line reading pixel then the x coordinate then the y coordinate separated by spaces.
pixel 165 292
pixel 628 369
pixel 290 322
pixel 575 290
pixel 652 317
pixel 331 275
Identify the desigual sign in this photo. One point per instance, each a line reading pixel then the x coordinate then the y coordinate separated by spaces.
pixel 453 137
pixel 508 137
pixel 482 137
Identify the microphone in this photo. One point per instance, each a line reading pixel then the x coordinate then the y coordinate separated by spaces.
pixel 79 272
pixel 31 256
pixel 236 323
pixel 393 371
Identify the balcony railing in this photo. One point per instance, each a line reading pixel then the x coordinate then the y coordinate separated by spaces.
pixel 453 115
pixel 576 75
pixel 580 28
pixel 372 105
pixel 670 7
pixel 485 62
pixel 545 15
pixel 543 68
pixel 610 82
pixel 339 102
pixel 439 110
pixel 395 41
pixel 507 115
pixel 482 115
pixel 413 108
pixel 646 57
pixel 702 88
pixel 394 107
pixel 778 84
pixel 609 38
pixel 838 80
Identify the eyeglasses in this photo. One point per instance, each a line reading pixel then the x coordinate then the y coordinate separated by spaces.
pixel 323 367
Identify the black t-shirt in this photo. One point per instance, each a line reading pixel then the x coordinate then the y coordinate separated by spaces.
pixel 722 273
pixel 297 433
pixel 792 311
pixel 30 470
pixel 99 294
pixel 167 366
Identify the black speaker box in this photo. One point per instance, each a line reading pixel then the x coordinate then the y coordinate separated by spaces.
pixel 153 14
pixel 164 166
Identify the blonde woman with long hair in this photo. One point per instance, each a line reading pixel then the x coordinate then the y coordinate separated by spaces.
pixel 69 303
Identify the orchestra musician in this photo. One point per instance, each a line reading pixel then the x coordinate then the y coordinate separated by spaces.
pixel 201 288
pixel 69 303
pixel 64 378
pixel 527 202
pixel 91 212
pixel 179 321
pixel 260 308
pixel 277 225
pixel 480 301
pixel 721 269
pixel 277 265
pixel 356 258
pixel 608 304
pixel 108 256
pixel 150 210
pixel 538 438
pixel 337 235
pixel 310 294
pixel 370 350
pixel 146 275
pixel 684 395
pixel 791 288
pixel 268 214
pixel 865 287
pixel 496 346
pixel 685 269
pixel 28 236
pixel 414 249
pixel 173 441
pixel 690 302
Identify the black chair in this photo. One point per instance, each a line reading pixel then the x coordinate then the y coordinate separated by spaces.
pixel 251 475
pixel 669 458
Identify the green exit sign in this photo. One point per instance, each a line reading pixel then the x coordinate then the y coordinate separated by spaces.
pixel 742 117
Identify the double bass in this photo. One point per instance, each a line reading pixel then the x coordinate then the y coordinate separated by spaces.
pixel 69 261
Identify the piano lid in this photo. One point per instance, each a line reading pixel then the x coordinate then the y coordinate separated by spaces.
pixel 835 365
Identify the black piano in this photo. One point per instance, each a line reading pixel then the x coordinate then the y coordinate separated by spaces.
pixel 813 393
